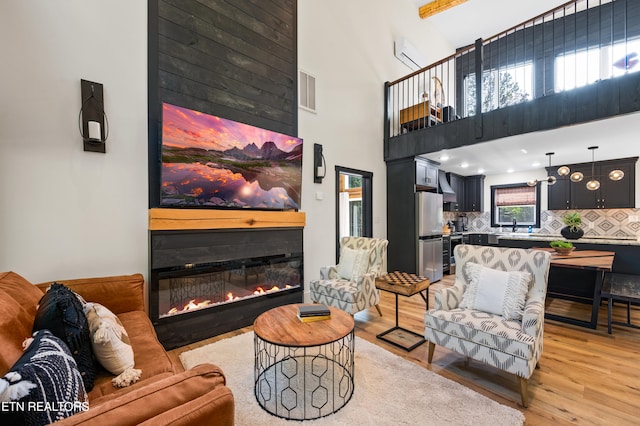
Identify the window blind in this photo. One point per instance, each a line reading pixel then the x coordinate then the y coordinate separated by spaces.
pixel 518 196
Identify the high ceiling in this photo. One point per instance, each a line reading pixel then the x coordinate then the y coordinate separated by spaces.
pixel 473 19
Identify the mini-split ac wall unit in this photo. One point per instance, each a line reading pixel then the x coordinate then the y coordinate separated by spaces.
pixel 408 54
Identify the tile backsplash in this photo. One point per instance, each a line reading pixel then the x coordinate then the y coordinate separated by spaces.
pixel 597 222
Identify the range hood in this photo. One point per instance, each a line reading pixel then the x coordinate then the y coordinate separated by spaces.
pixel 448 196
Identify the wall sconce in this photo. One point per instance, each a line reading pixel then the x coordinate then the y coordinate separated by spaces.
pixel 92 120
pixel 319 165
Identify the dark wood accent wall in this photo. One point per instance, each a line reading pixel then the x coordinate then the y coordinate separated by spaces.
pixel 236 59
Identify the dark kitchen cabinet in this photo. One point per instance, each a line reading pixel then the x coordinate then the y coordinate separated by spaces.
pixel 611 194
pixel 559 194
pixel 426 173
pixel 457 184
pixel 479 239
pixel 474 193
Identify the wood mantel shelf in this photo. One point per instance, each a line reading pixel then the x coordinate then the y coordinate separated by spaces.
pixel 161 219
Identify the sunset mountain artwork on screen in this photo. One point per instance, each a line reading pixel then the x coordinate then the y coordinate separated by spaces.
pixel 209 161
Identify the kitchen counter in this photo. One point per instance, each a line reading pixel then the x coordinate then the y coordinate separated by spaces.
pixel 621 241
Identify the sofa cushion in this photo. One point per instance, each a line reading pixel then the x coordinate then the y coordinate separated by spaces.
pixel 25 293
pixel 47 375
pixel 148 404
pixel 149 354
pixel 122 293
pixel 60 311
pixel 15 323
pixel 109 339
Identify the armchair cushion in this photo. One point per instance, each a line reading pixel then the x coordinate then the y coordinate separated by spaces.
pixel 353 263
pixel 484 329
pixel 496 292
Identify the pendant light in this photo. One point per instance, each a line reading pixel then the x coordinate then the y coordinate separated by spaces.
pixel 614 175
pixel 593 184
pixel 551 180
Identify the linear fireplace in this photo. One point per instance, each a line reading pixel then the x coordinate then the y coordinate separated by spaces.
pixel 208 282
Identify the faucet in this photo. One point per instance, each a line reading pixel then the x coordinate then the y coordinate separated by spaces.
pixel 515 225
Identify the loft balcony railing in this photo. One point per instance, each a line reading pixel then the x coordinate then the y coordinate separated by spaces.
pixel 579 43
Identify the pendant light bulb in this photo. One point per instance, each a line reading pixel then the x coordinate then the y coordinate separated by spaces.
pixel 593 185
pixel 616 175
pixel 551 180
pixel 532 182
pixel 564 171
pixel 577 177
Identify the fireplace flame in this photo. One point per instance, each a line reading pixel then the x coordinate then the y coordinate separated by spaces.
pixel 193 305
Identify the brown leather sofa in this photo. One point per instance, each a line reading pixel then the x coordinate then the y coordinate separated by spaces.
pixel 165 394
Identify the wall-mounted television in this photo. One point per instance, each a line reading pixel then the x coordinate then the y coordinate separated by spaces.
pixel 209 161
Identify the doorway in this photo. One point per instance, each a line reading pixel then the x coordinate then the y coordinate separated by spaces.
pixel 354 211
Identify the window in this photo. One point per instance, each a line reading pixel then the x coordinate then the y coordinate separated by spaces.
pixel 518 202
pixel 500 87
pixel 580 68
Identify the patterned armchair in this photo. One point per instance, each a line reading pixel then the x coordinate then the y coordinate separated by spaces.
pixel 359 293
pixel 514 346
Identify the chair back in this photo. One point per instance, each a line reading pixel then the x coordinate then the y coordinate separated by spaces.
pixel 377 251
pixel 536 262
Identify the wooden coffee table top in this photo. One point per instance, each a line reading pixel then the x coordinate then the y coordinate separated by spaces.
pixel 281 326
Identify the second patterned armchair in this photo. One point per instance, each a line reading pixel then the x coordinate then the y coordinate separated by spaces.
pixel 350 285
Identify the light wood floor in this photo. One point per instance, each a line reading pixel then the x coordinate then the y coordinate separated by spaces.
pixel 585 376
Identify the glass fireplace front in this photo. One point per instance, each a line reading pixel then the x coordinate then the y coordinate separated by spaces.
pixel 192 287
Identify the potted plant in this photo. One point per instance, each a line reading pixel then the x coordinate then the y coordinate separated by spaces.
pixel 562 247
pixel 572 230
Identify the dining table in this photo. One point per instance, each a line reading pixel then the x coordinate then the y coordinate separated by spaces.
pixel 578 276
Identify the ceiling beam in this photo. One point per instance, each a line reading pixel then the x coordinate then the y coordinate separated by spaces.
pixel 437 6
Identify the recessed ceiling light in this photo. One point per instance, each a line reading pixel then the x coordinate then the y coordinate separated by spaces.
pixel 510 171
pixel 524 151
pixel 480 170
pixel 535 164
pixel 444 157
pixel 464 165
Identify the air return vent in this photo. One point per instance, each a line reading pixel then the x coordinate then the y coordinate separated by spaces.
pixel 306 91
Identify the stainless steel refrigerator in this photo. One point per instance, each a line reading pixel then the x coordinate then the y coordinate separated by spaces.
pixel 429 219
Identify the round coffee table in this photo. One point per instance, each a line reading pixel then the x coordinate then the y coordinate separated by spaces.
pixel 303 370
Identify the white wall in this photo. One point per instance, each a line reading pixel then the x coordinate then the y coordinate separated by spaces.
pixel 65 213
pixel 348 47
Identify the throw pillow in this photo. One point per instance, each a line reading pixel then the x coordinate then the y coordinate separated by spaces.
pixel 497 292
pixel 353 263
pixel 60 311
pixel 111 345
pixel 43 386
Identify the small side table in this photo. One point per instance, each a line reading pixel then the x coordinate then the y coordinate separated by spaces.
pixel 303 370
pixel 624 288
pixel 405 284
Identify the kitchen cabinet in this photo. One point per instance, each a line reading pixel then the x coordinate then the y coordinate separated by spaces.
pixel 473 193
pixel 457 184
pixel 611 194
pixel 426 173
pixel 479 239
pixel 559 194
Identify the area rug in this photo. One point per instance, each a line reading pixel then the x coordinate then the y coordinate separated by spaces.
pixel 389 390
